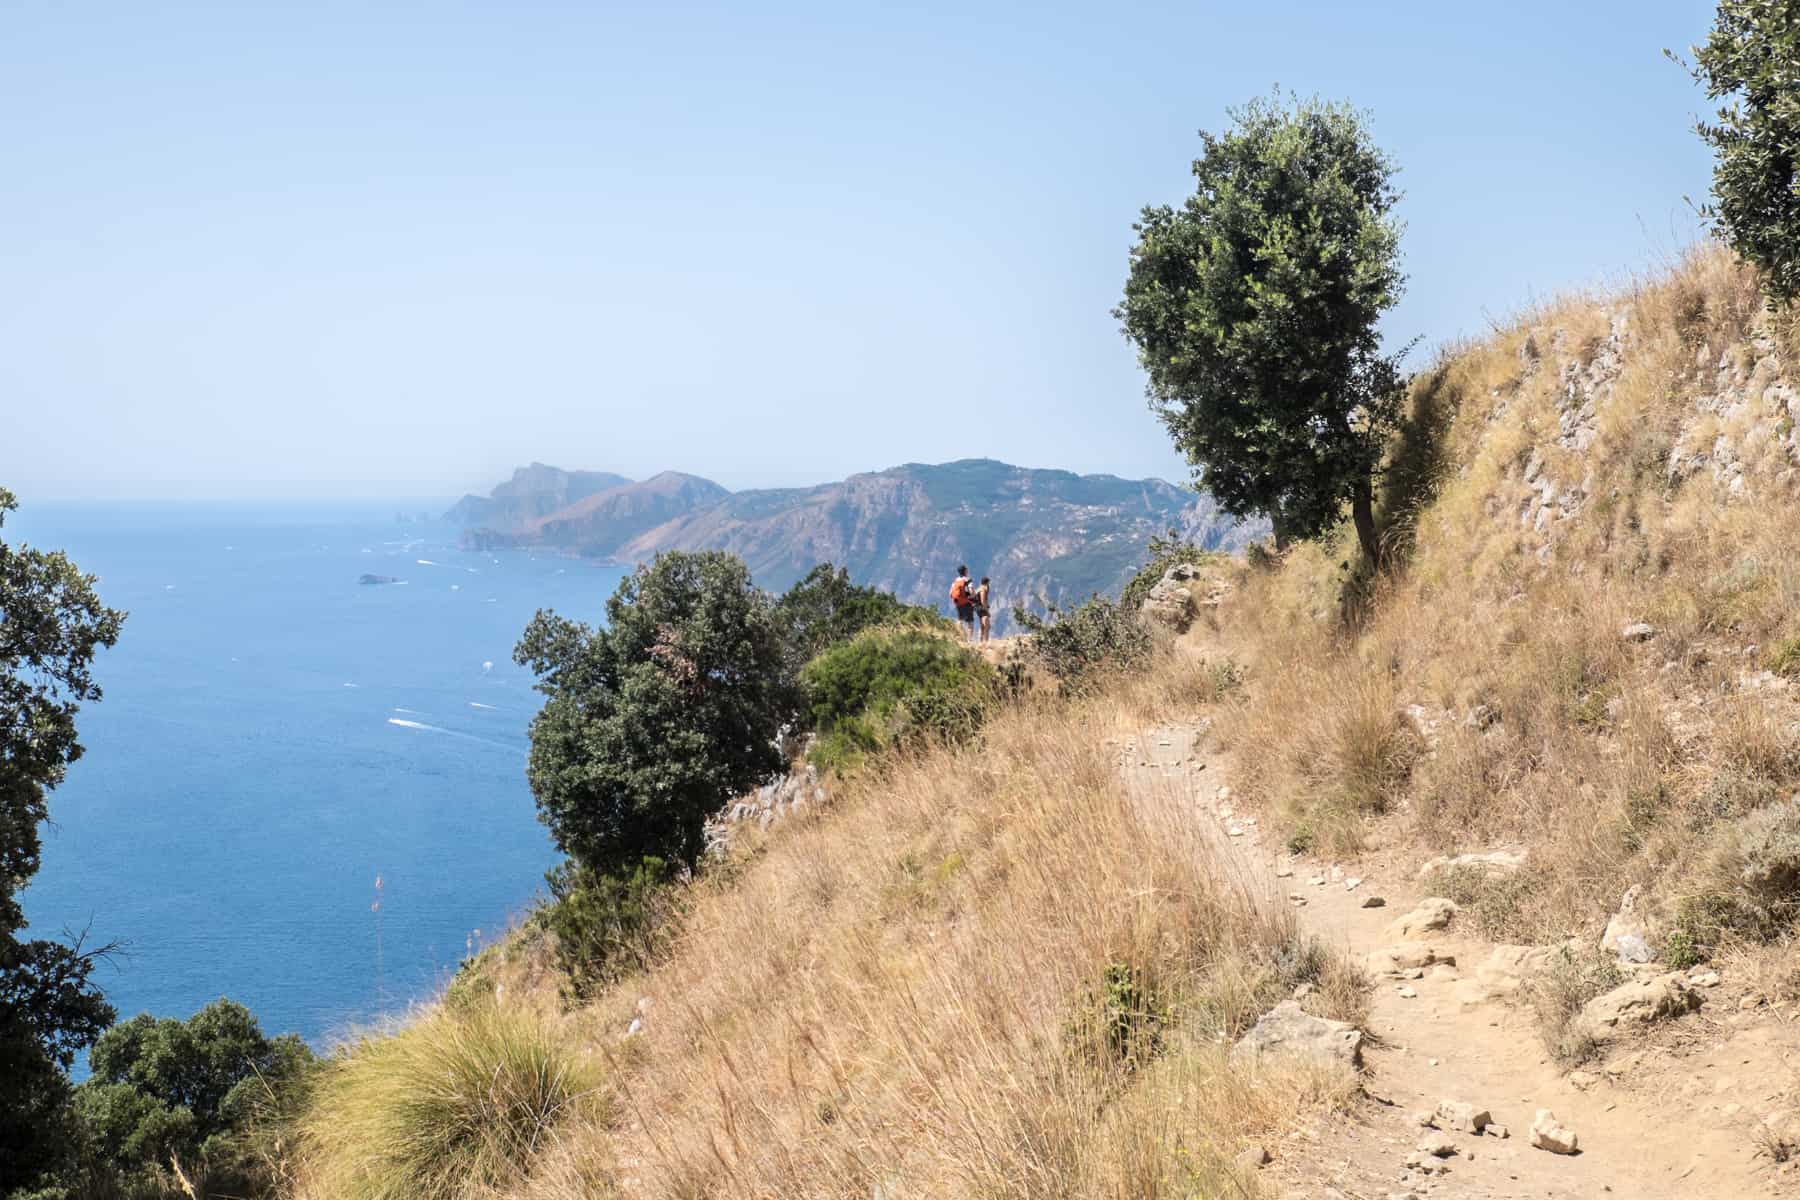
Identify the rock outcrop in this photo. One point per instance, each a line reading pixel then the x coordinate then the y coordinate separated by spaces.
pixel 1634 1004
pixel 1289 1029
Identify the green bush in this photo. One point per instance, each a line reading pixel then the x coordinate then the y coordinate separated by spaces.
pixel 825 608
pixel 1568 981
pixel 894 685
pixel 451 1107
pixel 1167 550
pixel 1749 60
pixel 606 924
pixel 1081 646
pixel 1755 870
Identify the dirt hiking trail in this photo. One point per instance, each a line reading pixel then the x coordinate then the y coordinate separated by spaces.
pixel 1677 1122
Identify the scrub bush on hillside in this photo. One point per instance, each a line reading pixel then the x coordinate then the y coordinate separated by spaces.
pixel 894 685
pixel 1080 646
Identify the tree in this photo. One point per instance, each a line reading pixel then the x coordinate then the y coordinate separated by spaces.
pixel 1254 307
pixel 1752 57
pixel 163 1088
pixel 51 624
pixel 654 722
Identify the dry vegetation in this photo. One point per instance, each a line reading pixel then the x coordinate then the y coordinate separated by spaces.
pixel 1598 463
pixel 988 971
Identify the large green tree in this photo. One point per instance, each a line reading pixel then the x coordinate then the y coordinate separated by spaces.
pixel 51 624
pixel 656 720
pixel 182 1089
pixel 1254 308
pixel 1752 60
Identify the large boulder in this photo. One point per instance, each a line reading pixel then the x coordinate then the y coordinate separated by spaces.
pixel 1636 1003
pixel 1288 1029
pixel 1432 913
pixel 1171 599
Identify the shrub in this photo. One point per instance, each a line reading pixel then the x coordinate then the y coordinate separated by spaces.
pixel 447 1108
pixel 1122 1021
pixel 1784 657
pixel 893 685
pixel 1756 871
pixel 1081 646
pixel 825 608
pixel 1557 993
pixel 606 924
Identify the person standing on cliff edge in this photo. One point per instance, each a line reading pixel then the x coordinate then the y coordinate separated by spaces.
pixel 962 598
pixel 983 607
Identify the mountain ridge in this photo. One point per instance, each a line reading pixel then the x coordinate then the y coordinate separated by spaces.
pixel 1047 536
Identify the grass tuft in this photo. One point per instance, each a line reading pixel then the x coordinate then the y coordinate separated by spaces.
pixel 448 1108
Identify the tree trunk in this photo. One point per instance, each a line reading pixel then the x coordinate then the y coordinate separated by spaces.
pixel 1279 527
pixel 1362 511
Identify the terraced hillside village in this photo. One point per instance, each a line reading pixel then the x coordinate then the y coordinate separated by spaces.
pixel 1475 879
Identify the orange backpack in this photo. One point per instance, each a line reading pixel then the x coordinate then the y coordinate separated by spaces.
pixel 959 592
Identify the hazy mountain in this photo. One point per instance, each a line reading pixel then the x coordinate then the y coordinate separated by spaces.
pixel 1040 534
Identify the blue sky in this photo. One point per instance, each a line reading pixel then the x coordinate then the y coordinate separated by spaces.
pixel 370 250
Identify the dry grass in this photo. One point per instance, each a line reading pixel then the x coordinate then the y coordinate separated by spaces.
pixel 1600 461
pixel 992 971
pixel 456 1105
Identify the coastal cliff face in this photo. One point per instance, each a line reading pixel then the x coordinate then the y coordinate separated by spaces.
pixel 533 492
pixel 1042 535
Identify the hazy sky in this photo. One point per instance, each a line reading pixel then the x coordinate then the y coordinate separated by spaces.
pixel 390 249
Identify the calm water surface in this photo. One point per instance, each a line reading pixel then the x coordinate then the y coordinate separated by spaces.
pixel 275 737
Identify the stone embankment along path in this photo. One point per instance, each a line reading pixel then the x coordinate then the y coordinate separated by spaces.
pixel 1444 1035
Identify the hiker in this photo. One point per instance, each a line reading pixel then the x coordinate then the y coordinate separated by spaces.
pixel 962 597
pixel 983 609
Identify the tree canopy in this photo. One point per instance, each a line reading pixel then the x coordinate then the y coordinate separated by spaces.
pixel 51 625
pixel 1254 308
pixel 655 721
pixel 1752 59
pixel 163 1088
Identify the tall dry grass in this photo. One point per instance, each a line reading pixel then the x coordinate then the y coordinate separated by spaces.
pixel 904 997
pixel 995 970
pixel 1498 637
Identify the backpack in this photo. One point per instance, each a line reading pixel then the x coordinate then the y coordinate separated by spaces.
pixel 959 592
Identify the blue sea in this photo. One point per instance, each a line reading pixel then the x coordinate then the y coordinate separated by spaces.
pixel 299 791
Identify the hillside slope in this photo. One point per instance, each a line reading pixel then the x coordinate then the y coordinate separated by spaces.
pixel 1583 661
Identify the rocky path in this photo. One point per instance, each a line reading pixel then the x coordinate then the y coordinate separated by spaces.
pixel 1441 1029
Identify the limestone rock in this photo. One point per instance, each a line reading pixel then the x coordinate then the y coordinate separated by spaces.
pixel 1627 935
pixel 1502 974
pixel 1414 956
pixel 1462 1117
pixel 1547 1133
pixel 1635 1003
pixel 1495 862
pixel 1437 1145
pixel 1289 1029
pixel 1432 913
pixel 1170 601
